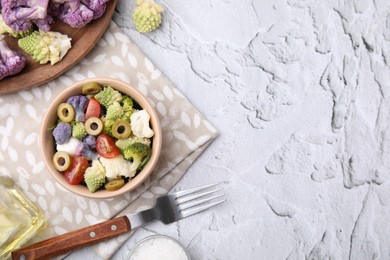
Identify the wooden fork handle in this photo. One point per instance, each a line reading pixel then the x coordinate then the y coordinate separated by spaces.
pixel 76 239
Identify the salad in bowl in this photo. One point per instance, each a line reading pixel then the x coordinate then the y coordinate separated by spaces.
pixel 101 138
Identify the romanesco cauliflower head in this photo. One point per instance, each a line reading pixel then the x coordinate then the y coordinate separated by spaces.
pixel 128 107
pixel 140 124
pixel 95 176
pixel 117 167
pixel 46 47
pixel 11 62
pixel 78 130
pixel 124 144
pixel 108 96
pixel 115 111
pixel 107 125
pixel 147 15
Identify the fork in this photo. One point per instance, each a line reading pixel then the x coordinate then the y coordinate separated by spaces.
pixel 169 208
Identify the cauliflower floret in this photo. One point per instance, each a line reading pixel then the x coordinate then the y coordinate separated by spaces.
pixel 140 124
pixel 69 147
pixel 116 167
pixel 62 132
pixel 11 62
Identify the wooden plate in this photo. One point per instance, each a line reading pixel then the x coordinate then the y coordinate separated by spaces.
pixel 83 41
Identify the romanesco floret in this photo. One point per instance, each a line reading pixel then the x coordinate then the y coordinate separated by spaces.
pixel 117 167
pixel 124 144
pixel 128 107
pixel 115 111
pixel 5 29
pixel 78 130
pixel 107 125
pixel 108 96
pixel 46 47
pixel 147 15
pixel 127 103
pixel 139 154
pixel 95 176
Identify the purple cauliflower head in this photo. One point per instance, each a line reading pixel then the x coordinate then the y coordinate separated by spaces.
pixel 97 6
pixel 71 12
pixel 11 62
pixel 62 133
pixel 79 104
pixel 77 13
pixel 85 150
pixel 20 15
pixel 90 140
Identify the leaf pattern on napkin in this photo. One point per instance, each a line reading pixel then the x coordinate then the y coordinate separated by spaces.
pixel 186 133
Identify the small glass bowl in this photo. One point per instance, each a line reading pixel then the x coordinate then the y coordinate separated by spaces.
pixel 20 218
pixel 137 252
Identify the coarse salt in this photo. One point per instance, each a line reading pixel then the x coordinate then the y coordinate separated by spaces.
pixel 157 248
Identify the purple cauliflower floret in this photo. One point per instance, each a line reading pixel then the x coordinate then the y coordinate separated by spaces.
pixel 11 62
pixel 90 140
pixel 62 133
pixel 77 13
pixel 97 6
pixel 79 104
pixel 71 12
pixel 20 15
pixel 83 149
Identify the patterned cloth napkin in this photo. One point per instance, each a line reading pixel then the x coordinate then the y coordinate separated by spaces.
pixel 186 134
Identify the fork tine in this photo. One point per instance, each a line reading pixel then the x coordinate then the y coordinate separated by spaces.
pixel 194 210
pixel 189 191
pixel 195 196
pixel 198 202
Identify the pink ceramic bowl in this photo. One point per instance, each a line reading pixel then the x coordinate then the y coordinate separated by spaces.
pixel 47 142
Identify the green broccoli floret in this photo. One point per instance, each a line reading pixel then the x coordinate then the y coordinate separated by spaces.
pixel 114 111
pixel 78 130
pixel 5 29
pixel 95 176
pixel 139 154
pixel 45 47
pixel 108 96
pixel 124 144
pixel 147 15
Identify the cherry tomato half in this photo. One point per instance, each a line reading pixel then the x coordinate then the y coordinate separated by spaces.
pixel 75 173
pixel 93 109
pixel 105 146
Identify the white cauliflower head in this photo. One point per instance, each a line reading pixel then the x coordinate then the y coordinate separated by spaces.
pixel 140 124
pixel 117 167
pixel 69 147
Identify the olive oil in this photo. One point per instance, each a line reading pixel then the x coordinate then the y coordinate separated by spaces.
pixel 19 217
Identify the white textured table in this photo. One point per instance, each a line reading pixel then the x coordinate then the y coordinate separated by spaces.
pixel 299 91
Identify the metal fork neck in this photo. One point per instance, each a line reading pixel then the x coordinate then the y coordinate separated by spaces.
pixel 143 217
